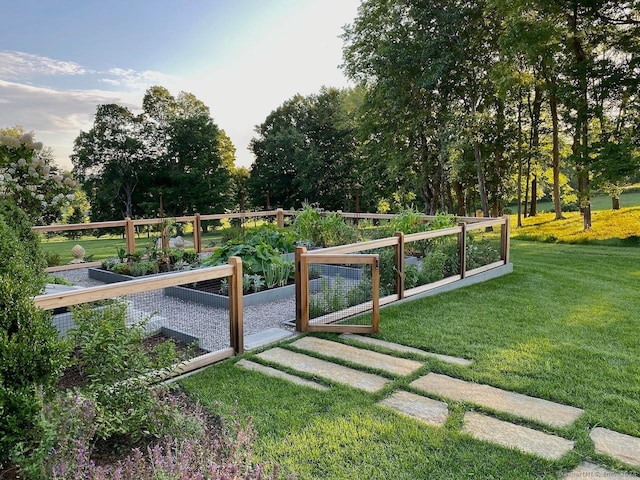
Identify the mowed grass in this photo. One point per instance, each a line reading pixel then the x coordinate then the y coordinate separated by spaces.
pixel 598 201
pixel 563 326
pixel 106 246
pixel 609 227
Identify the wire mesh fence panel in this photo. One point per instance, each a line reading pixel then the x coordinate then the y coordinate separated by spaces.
pixel 168 318
pixel 483 246
pixel 431 260
pixel 341 290
pixel 182 313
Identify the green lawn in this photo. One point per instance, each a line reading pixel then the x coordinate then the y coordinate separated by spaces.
pixel 105 246
pixel 564 326
pixel 598 202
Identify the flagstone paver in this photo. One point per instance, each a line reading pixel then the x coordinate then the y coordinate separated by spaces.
pixel 415 406
pixel 591 471
pixel 272 372
pixel 617 445
pixel 314 366
pixel 489 429
pixel 359 356
pixel 396 347
pixel 265 337
pixel 544 411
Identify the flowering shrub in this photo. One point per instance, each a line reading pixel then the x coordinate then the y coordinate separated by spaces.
pixel 196 448
pixel 28 178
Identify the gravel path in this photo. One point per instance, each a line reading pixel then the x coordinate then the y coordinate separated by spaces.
pixel 210 325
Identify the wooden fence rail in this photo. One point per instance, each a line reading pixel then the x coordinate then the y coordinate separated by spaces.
pixel 399 242
pixel 232 271
pixel 129 226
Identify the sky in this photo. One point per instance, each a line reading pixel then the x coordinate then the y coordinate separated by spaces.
pixel 60 59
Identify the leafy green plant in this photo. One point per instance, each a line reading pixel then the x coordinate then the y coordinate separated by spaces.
pixel 277 273
pixel 246 282
pixel 256 283
pixel 323 230
pixel 121 268
pixel 254 257
pixel 109 263
pixel 31 355
pixel 121 252
pixel 331 298
pixel 53 259
pixel 110 356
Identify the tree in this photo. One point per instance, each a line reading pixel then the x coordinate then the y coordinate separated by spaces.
pixel 109 160
pixel 172 149
pixel 427 66
pixel 29 179
pixel 194 157
pixel 302 137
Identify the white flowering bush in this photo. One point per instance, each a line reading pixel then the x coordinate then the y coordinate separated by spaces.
pixel 28 178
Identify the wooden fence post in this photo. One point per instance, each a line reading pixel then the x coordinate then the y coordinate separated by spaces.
pixel 506 239
pixel 280 218
pixel 301 326
pixel 399 264
pixel 130 235
pixel 164 235
pixel 197 233
pixel 236 319
pixel 462 249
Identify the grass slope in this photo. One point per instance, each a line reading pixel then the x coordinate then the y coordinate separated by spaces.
pixel 599 201
pixel 563 326
pixel 617 228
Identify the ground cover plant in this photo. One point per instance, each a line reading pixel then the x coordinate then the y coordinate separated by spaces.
pixel 563 327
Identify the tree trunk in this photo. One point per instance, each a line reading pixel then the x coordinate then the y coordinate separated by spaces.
pixel 481 183
pixel 533 211
pixel 535 110
pixel 553 102
pixel 519 186
pixel 457 187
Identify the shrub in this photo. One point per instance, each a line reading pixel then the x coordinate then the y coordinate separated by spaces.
pixel 110 355
pixel 53 259
pixel 322 230
pixel 31 355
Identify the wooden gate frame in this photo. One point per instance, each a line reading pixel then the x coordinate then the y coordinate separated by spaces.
pixel 302 262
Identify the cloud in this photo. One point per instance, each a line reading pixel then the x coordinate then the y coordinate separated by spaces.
pixel 135 80
pixel 17 65
pixel 57 115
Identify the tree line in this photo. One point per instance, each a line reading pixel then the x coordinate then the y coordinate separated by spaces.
pixel 172 156
pixel 465 105
pixel 459 106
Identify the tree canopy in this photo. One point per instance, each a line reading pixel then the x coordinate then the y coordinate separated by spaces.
pixel 172 150
pixel 461 95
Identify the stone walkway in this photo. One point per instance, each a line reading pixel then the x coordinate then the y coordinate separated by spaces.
pixel 433 412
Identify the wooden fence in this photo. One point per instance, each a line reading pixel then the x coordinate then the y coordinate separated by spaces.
pixel 129 226
pixel 232 271
pixel 399 242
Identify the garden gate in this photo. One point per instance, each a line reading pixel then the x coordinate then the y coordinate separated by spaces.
pixel 330 269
